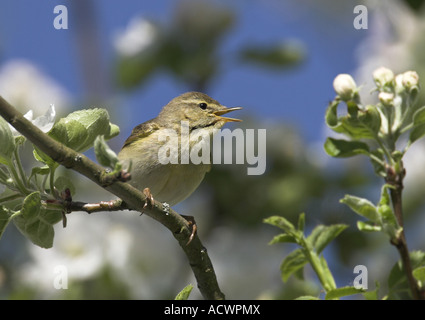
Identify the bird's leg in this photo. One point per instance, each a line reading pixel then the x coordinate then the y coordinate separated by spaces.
pixel 149 199
pixel 190 219
pixel 192 223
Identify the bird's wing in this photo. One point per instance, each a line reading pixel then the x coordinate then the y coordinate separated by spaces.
pixel 141 131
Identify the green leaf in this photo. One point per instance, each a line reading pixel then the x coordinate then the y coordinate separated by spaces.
pixel 328 279
pixel 51 216
pixel 31 206
pixel 368 226
pixel 104 155
pixel 387 216
pixel 416 133
pixel 282 238
pixel 371 118
pixel 378 162
pixel 301 222
pixel 20 140
pixel 299 274
pixel 114 130
pixel 355 129
pixel 93 120
pixel 321 235
pixel 35 222
pixel 385 196
pixel 78 131
pixel 357 124
pixel 80 128
pixel 362 207
pixel 419 273
pixel 45 170
pixel 71 133
pixel 62 183
pixel 419 116
pixel 372 294
pixel 281 223
pixel 184 294
pixel 342 292
pixel 315 233
pixel 397 282
pixel 331 115
pixel 307 298
pixel 7 142
pixel 418 130
pixel 44 158
pixel 343 148
pixel 5 217
pixel 278 56
pixel 292 263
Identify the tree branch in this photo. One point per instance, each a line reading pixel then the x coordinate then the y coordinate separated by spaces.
pixel 196 253
pixel 396 180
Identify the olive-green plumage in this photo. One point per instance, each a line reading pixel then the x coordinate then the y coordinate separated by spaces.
pixel 172 183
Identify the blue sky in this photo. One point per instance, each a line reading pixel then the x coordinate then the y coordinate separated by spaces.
pixel 297 96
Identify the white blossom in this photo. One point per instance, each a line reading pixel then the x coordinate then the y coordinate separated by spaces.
pixel 82 249
pixel 386 98
pixel 25 86
pixel 139 35
pixel 410 79
pixel 345 86
pixel 44 122
pixel 383 76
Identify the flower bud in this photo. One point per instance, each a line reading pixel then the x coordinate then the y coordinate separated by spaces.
pixel 386 98
pixel 410 79
pixel 383 76
pixel 345 86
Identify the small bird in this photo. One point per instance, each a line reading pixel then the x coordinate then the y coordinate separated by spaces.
pixel 172 182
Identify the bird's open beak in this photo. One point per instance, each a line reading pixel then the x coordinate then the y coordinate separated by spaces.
pixel 227 110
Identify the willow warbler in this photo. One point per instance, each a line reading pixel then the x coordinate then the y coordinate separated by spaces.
pixel 172 182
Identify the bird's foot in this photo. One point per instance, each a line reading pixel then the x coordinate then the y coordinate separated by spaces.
pixel 149 199
pixel 192 224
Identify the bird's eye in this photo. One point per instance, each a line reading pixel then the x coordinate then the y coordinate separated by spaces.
pixel 203 105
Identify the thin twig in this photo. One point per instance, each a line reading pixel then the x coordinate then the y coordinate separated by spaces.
pixel 70 206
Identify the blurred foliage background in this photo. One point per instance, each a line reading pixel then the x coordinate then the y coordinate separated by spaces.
pixel 240 54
